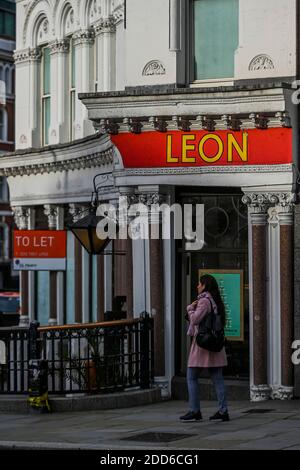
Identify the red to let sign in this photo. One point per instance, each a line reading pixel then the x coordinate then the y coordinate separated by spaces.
pixel 40 250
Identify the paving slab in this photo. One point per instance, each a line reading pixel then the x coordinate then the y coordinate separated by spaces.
pixel 110 429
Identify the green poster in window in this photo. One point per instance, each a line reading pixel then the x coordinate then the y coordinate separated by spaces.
pixel 231 284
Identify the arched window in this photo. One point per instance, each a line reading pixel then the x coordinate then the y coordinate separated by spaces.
pixel 41 39
pixel 72 89
pixel 46 95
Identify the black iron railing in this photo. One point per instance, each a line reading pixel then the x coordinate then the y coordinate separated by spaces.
pixel 98 357
pixel 14 359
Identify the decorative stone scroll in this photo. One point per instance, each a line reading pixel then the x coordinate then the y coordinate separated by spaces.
pixel 154 67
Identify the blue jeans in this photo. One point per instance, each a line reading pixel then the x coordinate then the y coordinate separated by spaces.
pixel 216 374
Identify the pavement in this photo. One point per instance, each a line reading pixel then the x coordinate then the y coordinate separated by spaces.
pixel 253 426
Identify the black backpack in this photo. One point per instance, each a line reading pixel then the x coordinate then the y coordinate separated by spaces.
pixel 211 332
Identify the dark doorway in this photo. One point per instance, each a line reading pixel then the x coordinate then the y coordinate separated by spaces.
pixel 226 248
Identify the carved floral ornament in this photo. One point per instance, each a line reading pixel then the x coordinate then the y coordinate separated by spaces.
pixel 262 201
pixel 261 62
pixel 154 67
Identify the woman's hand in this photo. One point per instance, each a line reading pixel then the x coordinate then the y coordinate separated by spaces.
pixel 195 303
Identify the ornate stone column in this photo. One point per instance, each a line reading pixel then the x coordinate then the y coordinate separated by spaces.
pixel 60 91
pixel 127 192
pixel 150 197
pixel 21 220
pixel 77 212
pixel 29 61
pixel 105 32
pixel 56 222
pixel 83 41
pixel 285 211
pixel 259 388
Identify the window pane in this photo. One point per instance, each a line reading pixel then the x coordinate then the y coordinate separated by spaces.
pixel 2 23
pixel 73 67
pixel 216 38
pixel 46 71
pixel 46 119
pixel 72 113
pixel 9 26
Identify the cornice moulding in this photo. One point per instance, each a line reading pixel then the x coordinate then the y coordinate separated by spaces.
pixel 254 102
pixel 87 154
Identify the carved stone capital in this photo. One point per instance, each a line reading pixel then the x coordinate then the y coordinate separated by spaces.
pixel 26 55
pixel 52 212
pixel 105 25
pixel 148 199
pixel 258 204
pixel 77 211
pixel 284 200
pixel 86 36
pixel 260 393
pixel 60 47
pixel 284 209
pixel 118 14
pixel 21 216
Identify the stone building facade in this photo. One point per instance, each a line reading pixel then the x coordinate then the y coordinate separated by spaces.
pixel 105 87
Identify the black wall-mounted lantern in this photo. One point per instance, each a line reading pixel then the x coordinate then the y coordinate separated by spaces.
pixel 85 229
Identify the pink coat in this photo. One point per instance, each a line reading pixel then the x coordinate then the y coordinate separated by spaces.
pixel 201 357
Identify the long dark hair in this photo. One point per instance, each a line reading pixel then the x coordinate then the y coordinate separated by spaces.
pixel 212 287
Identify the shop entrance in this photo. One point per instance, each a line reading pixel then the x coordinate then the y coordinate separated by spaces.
pixel 226 252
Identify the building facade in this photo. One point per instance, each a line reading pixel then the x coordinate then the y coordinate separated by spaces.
pixel 174 101
pixel 8 279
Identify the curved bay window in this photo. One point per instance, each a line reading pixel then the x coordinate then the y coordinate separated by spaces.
pixel 225 253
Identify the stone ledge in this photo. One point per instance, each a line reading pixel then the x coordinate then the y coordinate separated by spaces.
pixel 17 404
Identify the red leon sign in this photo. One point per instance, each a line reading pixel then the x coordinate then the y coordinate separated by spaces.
pixel 40 249
pixel 202 148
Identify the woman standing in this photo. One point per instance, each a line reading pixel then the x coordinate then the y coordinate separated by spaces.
pixel 209 298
